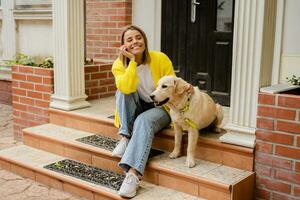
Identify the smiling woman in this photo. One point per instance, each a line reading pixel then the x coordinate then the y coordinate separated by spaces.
pixel 136 73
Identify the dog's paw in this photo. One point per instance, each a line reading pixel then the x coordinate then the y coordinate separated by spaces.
pixel 190 163
pixel 174 155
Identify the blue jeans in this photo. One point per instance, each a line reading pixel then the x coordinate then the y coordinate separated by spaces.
pixel 139 122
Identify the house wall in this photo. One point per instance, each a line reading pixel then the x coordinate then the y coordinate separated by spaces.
pixel 34 38
pixel 290 57
pixel 105 20
pixel 277 152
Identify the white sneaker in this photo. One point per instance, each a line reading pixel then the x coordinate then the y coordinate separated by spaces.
pixel 120 148
pixel 129 186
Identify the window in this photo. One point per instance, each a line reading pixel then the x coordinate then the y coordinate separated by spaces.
pixel 224 15
pixel 33 4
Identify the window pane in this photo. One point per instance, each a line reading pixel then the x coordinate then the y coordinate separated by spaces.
pixel 224 15
pixel 23 4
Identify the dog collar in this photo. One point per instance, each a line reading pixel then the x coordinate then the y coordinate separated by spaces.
pixel 186 107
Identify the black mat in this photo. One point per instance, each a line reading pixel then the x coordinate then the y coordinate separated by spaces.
pixel 88 173
pixel 109 144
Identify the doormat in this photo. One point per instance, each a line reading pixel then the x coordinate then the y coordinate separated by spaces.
pixel 109 144
pixel 88 173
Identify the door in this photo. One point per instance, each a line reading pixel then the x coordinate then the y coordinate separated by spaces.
pixel 197 36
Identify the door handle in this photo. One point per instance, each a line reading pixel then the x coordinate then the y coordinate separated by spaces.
pixel 194 5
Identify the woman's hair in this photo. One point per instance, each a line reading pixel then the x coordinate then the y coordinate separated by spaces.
pixel 146 56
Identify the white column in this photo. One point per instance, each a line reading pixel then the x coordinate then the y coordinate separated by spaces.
pixel 68 34
pixel 8 30
pixel 246 66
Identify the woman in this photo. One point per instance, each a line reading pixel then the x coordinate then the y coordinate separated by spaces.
pixel 136 73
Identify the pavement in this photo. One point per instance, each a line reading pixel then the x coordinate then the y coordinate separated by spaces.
pixel 14 187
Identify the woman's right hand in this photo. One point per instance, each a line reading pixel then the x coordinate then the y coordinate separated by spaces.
pixel 126 53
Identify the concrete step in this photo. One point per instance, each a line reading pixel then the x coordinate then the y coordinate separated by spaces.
pixel 209 147
pixel 29 162
pixel 207 180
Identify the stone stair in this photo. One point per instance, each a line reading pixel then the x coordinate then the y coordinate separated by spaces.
pixel 223 171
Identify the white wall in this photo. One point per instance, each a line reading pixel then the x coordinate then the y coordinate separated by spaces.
pixel 34 38
pixel 290 57
pixel 1 46
pixel 147 15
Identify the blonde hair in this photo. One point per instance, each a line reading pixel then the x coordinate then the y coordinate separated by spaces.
pixel 146 56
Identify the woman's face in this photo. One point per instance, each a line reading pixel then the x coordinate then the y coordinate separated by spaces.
pixel 134 42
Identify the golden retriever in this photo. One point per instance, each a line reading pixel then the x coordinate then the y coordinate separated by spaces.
pixel 190 110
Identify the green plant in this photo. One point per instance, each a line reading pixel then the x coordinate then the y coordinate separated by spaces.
pixel 294 80
pixel 47 63
pixel 21 59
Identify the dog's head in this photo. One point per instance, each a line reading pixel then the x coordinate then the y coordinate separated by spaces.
pixel 169 88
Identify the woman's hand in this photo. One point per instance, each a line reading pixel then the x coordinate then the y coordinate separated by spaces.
pixel 125 53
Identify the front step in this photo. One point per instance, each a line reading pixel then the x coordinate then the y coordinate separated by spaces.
pixel 209 149
pixel 208 180
pixel 29 162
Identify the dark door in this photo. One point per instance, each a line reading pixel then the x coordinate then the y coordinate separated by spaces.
pixel 197 36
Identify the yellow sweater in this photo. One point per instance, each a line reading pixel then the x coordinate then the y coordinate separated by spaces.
pixel 127 80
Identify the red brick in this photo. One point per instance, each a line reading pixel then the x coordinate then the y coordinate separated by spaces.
pixel 288 176
pixel 277 196
pixel 297 166
pixel 99 75
pixel 290 101
pixel 272 161
pixel 17 106
pixel 265 111
pixel 288 127
pixel 286 114
pixel 274 137
pixel 21 77
pixel 298 141
pixel 264 147
pixel 107 82
pixel 15 68
pixel 44 88
pixel 27 101
pixel 36 95
pixel 274 185
pixel 264 98
pixel 15 98
pixel 262 193
pixel 297 191
pixel 98 90
pixel 46 97
pixel 287 151
pixel 88 69
pixel 26 85
pixel 48 81
pixel 43 71
pixel 34 79
pixel 105 67
pixel 43 104
pixel 90 84
pixel 262 170
pixel 36 110
pixel 265 123
pixel 19 92
pixel 26 69
pixel 87 77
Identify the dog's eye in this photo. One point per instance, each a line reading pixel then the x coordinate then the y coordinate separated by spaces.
pixel 164 86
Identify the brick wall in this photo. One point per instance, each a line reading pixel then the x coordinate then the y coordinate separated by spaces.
pixel 5 92
pixel 99 81
pixel 105 20
pixel 31 89
pixel 277 153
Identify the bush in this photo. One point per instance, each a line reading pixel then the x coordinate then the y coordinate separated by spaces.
pixel 293 80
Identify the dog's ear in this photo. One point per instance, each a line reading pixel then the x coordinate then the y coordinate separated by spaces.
pixel 180 86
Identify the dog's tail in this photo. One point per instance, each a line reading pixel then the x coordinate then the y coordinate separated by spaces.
pixel 219 118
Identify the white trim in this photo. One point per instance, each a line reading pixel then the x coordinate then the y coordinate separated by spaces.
pixel 278 42
pixel 33 14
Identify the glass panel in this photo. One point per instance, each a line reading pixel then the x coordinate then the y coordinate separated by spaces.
pixel 33 4
pixel 224 15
